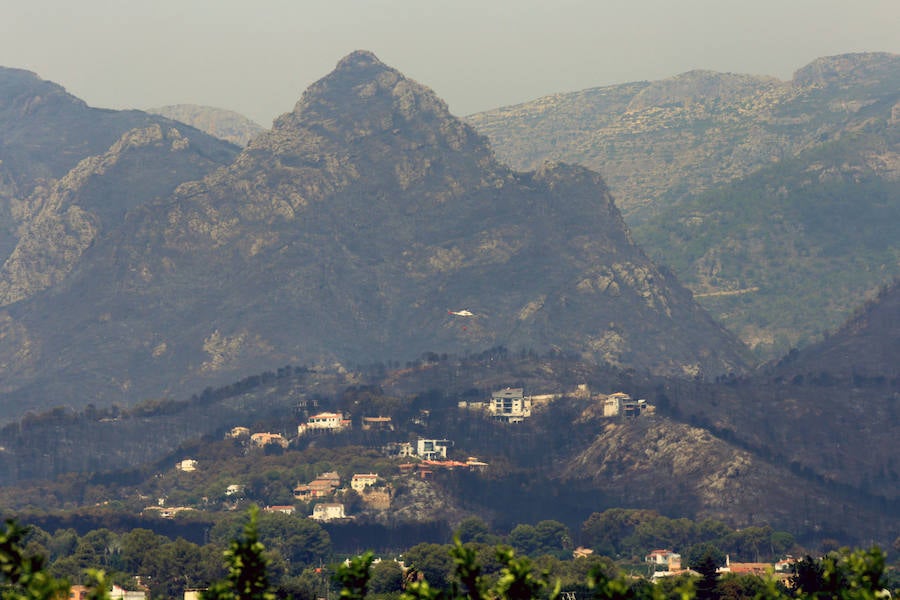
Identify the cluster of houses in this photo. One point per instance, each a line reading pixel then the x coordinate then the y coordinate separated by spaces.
pixel 666 563
pixel 325 486
pixel 511 405
pixel 508 405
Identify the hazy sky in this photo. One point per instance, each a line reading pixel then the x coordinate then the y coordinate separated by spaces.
pixel 258 57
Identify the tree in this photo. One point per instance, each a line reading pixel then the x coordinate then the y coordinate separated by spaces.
pixel 354 577
pixel 781 542
pixel 432 561
pixel 95 549
pixel 302 542
pixel 22 576
pixel 386 577
pixel 808 576
pixel 706 559
pixel 845 575
pixel 136 547
pixel 247 577
pixel 473 529
pixel 608 532
pixel 524 539
pixel 174 566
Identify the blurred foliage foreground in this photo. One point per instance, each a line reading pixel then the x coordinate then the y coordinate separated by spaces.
pixel 843 575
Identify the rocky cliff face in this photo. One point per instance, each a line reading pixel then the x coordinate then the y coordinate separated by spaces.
pixel 347 233
pixel 655 462
pixel 69 172
pixel 62 220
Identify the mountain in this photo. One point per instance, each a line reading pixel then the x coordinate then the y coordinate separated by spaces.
pixel 564 462
pixel 69 172
pixel 224 124
pixel 348 233
pixel 655 141
pixel 786 253
pixel 827 411
pixel 63 218
pixel 864 350
pixel 772 201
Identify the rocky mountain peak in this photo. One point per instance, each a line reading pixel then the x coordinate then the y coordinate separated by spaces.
pixel 24 91
pixel 363 101
pixel 359 58
pixel 846 69
pixel 346 233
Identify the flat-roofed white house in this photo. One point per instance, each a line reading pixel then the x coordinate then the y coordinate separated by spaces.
pixel 432 449
pixel 328 511
pixel 187 465
pixel 671 560
pixel 510 405
pixel 286 509
pixel 621 404
pixel 120 593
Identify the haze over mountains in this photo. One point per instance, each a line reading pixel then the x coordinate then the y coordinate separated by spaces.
pixel 346 233
pixel 224 124
pixel 370 226
pixel 773 201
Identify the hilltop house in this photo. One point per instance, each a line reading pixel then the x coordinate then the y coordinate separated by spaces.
pixel 664 558
pixel 360 481
pixel 510 405
pixel 78 592
pixel 620 404
pixel 326 421
pixel 238 433
pixel 187 465
pixel 432 449
pixel 377 424
pixel 322 486
pixel 328 511
pixel 425 469
pixel 286 509
pixel 120 593
pixel 401 449
pixel 264 439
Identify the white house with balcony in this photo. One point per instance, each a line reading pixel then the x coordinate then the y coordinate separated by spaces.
pixel 432 449
pixel 621 404
pixel 325 421
pixel 510 405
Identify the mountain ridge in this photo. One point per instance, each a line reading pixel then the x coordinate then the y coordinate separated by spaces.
pixel 347 232
pixel 701 152
pixel 224 124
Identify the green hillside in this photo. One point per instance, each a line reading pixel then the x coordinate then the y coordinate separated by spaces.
pixel 784 255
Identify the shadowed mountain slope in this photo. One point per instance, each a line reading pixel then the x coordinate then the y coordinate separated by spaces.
pixel 864 350
pixel 45 132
